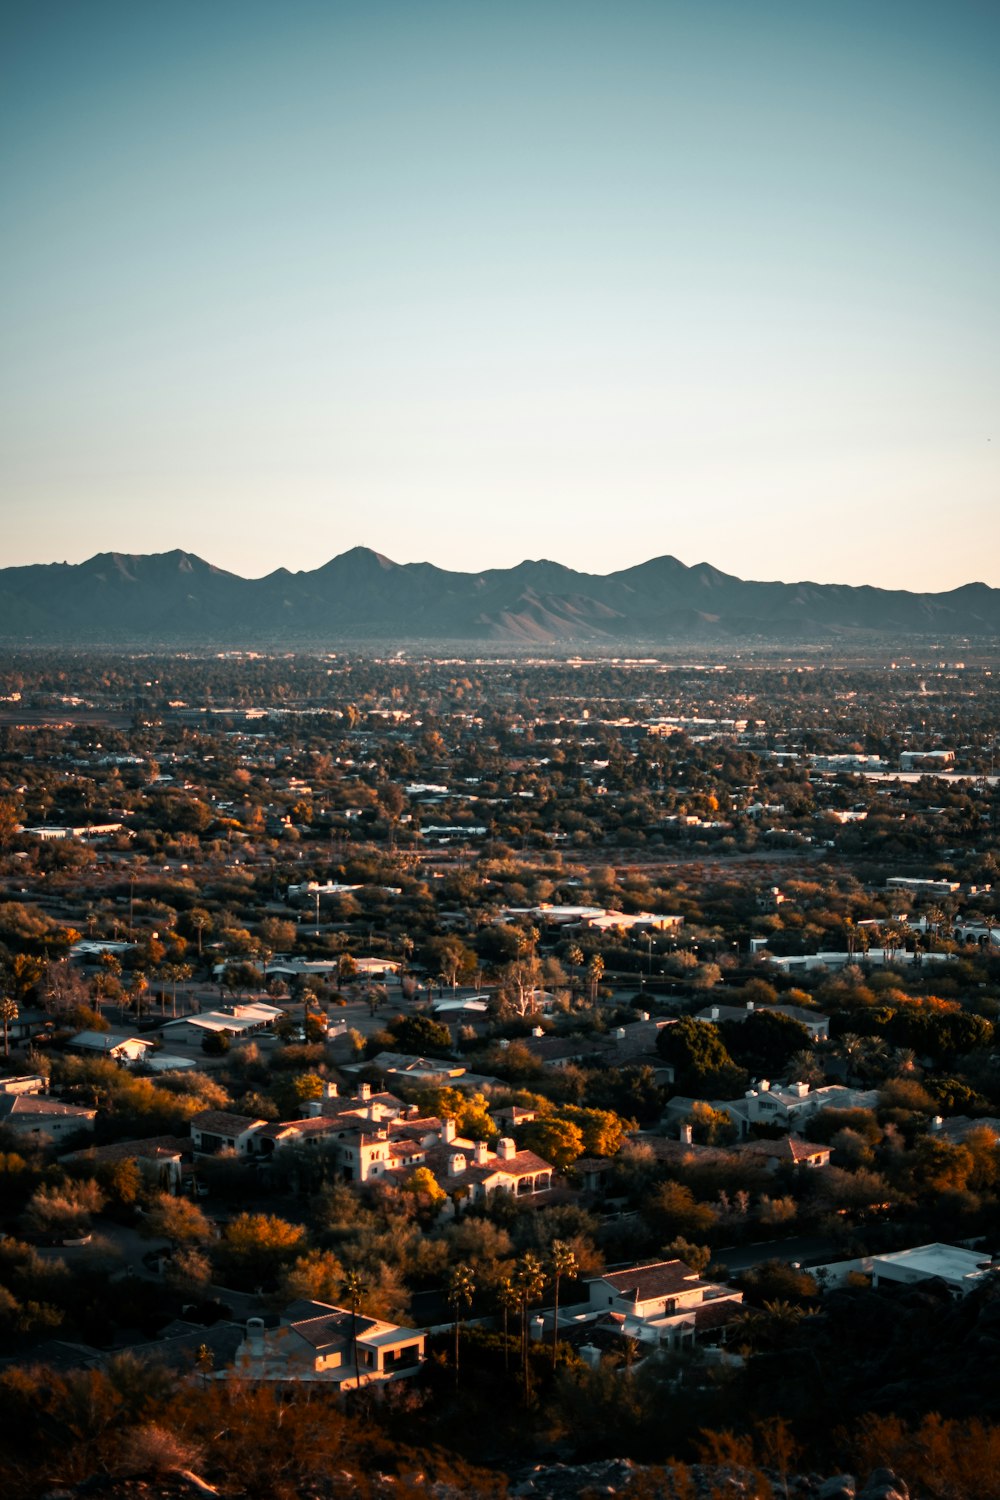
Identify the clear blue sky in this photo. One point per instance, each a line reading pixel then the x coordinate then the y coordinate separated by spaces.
pixel 478 281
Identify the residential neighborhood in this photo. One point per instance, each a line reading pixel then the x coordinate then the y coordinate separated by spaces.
pixel 650 1074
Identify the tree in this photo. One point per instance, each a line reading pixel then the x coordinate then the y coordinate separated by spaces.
pixel 8 1015
pixel 355 1291
pixel 508 1297
pixel 529 1279
pixel 316 1276
pixel 519 983
pixel 424 1188
pixel 701 1063
pixel 695 1256
pixel 420 1035
pixel 673 1210
pixel 257 1246
pixel 563 1264
pixel 200 921
pixel 459 1289
pixel 765 1042
pixel 557 1141
pixel 178 1220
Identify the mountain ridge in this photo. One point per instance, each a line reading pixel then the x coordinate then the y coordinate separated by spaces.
pixel 178 598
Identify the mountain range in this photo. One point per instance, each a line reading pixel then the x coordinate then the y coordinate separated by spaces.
pixel 175 599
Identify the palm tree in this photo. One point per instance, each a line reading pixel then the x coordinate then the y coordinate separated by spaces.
pixel 138 985
pixel 201 922
pixel 8 1015
pixel 460 1287
pixel 355 1291
pixel 508 1297
pixel 563 1264
pixel 529 1279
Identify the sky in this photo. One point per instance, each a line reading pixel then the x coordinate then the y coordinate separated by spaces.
pixel 470 281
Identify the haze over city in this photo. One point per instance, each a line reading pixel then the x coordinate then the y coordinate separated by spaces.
pixel 477 283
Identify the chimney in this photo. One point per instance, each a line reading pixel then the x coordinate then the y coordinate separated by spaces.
pixel 255 1337
pixel 538 1031
pixel 619 1033
pixel 715 1012
pixel 311 1109
pixel 765 1085
pixel 456 1164
pixel 749 1006
pixel 447 1130
pixel 364 1090
pixel 482 1153
pixel 537 1327
pixel 506 1150
pixel 591 1355
pixel 937 1122
pixel 329 1090
pixel 644 1015
pixel 687 1133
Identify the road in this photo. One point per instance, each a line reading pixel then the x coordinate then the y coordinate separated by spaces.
pixel 805 1249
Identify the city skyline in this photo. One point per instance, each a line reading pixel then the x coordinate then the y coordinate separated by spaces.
pixel 473 285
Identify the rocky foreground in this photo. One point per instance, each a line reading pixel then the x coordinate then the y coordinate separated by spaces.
pixel 616 1477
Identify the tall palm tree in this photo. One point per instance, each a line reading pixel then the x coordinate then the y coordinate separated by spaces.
pixel 355 1291
pixel 508 1297
pixel 8 1015
pixel 460 1287
pixel 529 1279
pixel 563 1263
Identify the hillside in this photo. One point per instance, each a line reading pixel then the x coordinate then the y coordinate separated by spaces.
pixel 177 599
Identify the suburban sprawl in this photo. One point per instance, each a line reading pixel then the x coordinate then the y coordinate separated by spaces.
pixel 437 1075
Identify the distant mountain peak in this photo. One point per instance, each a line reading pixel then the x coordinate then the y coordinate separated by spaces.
pixel 175 598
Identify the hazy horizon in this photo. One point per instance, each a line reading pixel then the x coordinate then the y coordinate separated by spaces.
pixel 471 284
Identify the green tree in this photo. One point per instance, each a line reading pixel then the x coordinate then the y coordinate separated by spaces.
pixel 459 1290
pixel 355 1291
pixel 765 1042
pixel 8 1015
pixel 702 1066
pixel 529 1279
pixel 257 1246
pixel 557 1141
pixel 563 1263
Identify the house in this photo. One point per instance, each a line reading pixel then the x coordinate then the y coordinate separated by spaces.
pixel 959 1127
pixel 471 1171
pixel 241 1021
pixel 404 1067
pixel 37 1117
pixel 787 1151
pixel 636 1040
pixel 661 1302
pixel 215 1130
pixel 376 968
pixel 23 1083
pixel 642 921
pixel 121 1048
pixel 561 1051
pixel 316 1342
pixel 961 1270
pixel 783 1105
pixel 159 1158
